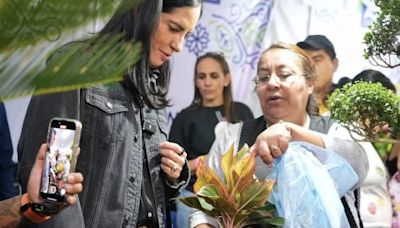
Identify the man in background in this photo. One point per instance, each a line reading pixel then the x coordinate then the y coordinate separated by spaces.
pixel 322 53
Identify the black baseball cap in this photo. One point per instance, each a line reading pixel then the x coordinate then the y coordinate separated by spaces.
pixel 318 42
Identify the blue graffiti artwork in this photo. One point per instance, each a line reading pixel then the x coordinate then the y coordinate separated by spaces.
pixel 198 41
pixel 241 32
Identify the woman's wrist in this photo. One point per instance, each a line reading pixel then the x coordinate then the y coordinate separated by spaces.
pixel 196 162
pixel 28 213
pixel 289 129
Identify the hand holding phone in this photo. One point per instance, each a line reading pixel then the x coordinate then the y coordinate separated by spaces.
pixel 63 143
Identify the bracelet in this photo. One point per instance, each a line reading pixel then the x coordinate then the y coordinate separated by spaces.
pixel 26 210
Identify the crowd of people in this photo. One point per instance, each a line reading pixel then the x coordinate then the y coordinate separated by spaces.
pixel 374 200
pixel 133 167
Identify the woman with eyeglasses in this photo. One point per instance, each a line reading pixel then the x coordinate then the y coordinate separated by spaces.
pixel 284 85
pixel 194 127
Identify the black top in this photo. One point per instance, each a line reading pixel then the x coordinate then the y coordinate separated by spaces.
pixel 392 166
pixel 193 128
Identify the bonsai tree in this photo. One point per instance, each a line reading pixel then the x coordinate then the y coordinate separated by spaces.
pixel 28 30
pixel 383 39
pixel 368 111
pixel 237 200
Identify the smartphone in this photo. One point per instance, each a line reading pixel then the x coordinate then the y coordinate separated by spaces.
pixel 63 147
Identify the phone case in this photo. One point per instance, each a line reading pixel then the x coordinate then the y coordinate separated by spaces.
pixel 63 149
pixel 75 146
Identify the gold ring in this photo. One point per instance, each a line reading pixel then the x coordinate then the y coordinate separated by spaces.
pixel 174 168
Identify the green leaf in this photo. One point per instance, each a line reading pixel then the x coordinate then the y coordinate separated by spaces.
pixel 26 22
pixel 244 169
pixel 190 201
pixel 227 160
pixel 30 30
pixel 205 205
pixel 276 221
pixel 206 176
pixel 78 65
pixel 365 108
pixel 243 174
pixel 268 207
pixel 256 194
pixel 242 152
pixel 382 41
pixel 209 191
pixel 233 205
pixel 198 203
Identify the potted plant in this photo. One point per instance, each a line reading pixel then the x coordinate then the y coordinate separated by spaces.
pixel 383 39
pixel 239 198
pixel 366 110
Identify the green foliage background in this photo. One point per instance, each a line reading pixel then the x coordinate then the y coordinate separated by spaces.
pixel 30 30
pixel 383 39
pixel 365 108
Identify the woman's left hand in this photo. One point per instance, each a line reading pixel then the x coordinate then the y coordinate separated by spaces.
pixel 173 159
pixel 272 142
pixel 72 183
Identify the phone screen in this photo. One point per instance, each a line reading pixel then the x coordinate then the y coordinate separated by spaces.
pixel 58 159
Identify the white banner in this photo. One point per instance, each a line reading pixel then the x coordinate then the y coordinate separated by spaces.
pixel 237 29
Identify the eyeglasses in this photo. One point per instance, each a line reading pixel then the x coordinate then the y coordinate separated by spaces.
pixel 264 78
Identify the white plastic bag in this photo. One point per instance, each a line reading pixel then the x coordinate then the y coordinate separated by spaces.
pixel 308 190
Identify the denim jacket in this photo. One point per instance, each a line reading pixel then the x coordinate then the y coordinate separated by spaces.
pixel 111 156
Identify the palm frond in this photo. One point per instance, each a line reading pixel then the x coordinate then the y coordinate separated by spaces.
pixel 80 64
pixel 30 30
pixel 26 22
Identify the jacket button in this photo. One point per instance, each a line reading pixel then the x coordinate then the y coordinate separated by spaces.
pixel 126 220
pixel 109 105
pixel 132 179
pixel 149 214
pixel 135 138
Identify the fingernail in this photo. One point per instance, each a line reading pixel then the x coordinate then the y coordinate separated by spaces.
pixel 70 179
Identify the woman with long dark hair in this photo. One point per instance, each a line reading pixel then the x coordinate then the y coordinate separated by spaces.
pixel 193 128
pixel 128 167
